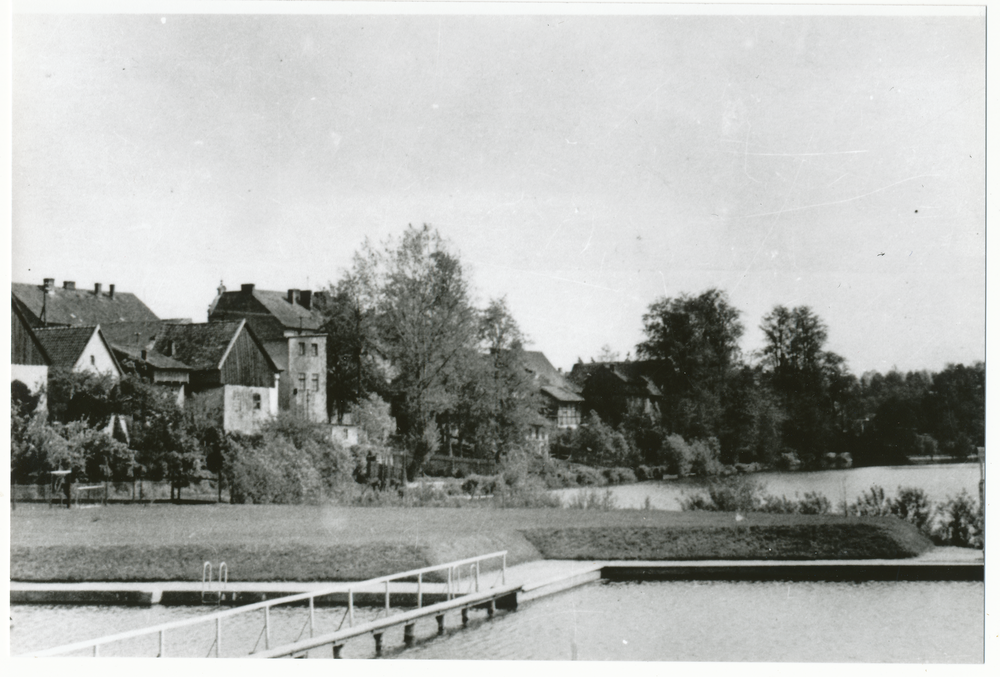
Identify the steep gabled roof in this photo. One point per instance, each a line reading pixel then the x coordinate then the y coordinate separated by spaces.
pixel 540 367
pixel 269 313
pixel 65 345
pixel 79 307
pixel 637 375
pixel 27 333
pixel 205 346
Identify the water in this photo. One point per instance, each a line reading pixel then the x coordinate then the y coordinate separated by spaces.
pixel 939 481
pixel 912 622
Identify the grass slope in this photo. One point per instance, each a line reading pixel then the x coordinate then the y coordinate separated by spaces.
pixel 303 543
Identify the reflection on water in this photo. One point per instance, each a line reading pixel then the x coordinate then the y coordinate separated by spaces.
pixel 939 481
pixel 918 622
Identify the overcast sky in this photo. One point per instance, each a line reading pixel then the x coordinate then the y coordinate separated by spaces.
pixel 582 166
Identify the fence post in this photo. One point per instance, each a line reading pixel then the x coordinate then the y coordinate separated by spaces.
pixel 420 590
pixel 387 598
pixel 163 645
pixel 350 606
pixel 218 637
pixel 267 627
pixel 312 616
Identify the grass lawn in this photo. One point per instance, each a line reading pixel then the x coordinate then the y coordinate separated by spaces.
pixel 271 543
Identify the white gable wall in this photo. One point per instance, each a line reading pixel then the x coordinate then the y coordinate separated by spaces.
pixel 97 358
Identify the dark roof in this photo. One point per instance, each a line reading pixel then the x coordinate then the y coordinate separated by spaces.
pixel 269 312
pixel 561 394
pixel 80 307
pixel 27 333
pixel 197 347
pixel 636 374
pixel 65 345
pixel 540 367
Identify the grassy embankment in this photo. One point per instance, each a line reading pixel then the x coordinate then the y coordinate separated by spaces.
pixel 327 543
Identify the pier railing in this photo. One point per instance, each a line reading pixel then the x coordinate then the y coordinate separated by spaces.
pixel 464 577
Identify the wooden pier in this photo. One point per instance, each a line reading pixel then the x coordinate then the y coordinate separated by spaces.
pixel 504 598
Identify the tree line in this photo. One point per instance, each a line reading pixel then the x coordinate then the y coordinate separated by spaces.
pixel 424 371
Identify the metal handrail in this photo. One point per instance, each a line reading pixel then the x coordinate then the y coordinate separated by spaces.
pixel 350 588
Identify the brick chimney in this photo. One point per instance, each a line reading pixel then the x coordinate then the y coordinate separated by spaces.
pixel 305 298
pixel 111 291
pixel 97 289
pixel 69 285
pixel 49 284
pixel 293 296
pixel 246 288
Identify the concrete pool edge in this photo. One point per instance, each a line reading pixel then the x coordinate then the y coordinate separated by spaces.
pixel 539 578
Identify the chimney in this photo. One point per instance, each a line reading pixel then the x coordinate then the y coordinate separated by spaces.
pixel 69 286
pixel 97 289
pixel 246 288
pixel 111 291
pixel 49 285
pixel 144 354
pixel 305 298
pixel 293 296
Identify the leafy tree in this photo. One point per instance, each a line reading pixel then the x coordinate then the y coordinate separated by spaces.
pixel 695 343
pixel 812 383
pixel 353 357
pixel 497 403
pixel 374 416
pixel 956 409
pixel 425 326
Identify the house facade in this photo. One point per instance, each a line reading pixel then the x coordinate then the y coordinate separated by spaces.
pixel 79 349
pixel 615 390
pixel 220 369
pixel 29 363
pixel 288 325
pixel 563 403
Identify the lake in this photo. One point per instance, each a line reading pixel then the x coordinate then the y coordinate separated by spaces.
pixel 874 622
pixel 939 481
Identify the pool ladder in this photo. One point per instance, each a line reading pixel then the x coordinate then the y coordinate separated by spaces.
pixel 208 594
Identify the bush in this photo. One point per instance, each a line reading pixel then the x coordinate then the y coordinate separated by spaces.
pixel 962 522
pixel 911 504
pixel 586 476
pixel 872 503
pixel 814 503
pixel 737 493
pixel 290 461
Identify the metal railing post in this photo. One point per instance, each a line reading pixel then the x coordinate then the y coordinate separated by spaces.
pixel 267 627
pixel 350 606
pixel 312 616
pixel 218 637
pixel 163 645
pixel 420 590
pixel 387 598
pixel 96 652
pixel 477 575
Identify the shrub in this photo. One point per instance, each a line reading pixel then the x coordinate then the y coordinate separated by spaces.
pixel 643 473
pixel 872 503
pixel 911 504
pixel 789 460
pixel 729 494
pixel 777 504
pixel 814 503
pixel 962 522
pixel 586 476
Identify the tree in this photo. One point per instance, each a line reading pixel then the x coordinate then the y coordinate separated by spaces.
pixel 695 342
pixel 425 325
pixel 353 355
pixel 497 403
pixel 810 381
pixel 607 354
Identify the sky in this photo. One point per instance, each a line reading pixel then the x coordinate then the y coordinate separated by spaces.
pixel 581 166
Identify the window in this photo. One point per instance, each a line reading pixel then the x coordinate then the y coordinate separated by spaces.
pixel 568 417
pixel 93 360
pixel 302 382
pixel 315 350
pixel 315 382
pixel 302 348
pixel 256 401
